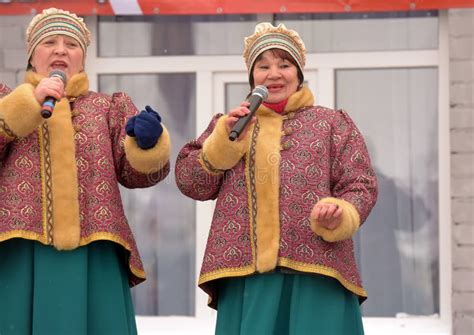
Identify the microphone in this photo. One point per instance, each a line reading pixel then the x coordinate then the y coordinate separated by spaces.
pixel 259 95
pixel 48 103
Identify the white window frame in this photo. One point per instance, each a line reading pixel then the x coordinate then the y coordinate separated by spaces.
pixel 213 72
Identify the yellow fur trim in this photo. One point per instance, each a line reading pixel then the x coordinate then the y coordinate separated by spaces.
pixel 20 110
pixel 66 224
pixel 222 153
pixel 62 152
pixel 150 160
pixel 267 186
pixel 77 85
pixel 299 99
pixel 350 222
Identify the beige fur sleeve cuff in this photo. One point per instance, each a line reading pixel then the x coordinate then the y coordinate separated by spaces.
pixel 220 152
pixel 350 222
pixel 149 160
pixel 20 111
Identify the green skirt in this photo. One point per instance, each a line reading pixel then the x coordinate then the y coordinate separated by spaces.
pixel 286 304
pixel 81 292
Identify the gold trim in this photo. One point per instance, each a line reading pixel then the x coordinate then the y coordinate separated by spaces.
pixel 207 166
pixel 282 262
pixel 44 168
pixel 27 235
pixel 103 236
pixel 323 270
pixel 6 131
pixel 84 241
pixel 228 272
pixel 251 196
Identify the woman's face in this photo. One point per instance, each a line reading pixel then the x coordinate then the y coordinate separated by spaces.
pixel 279 75
pixel 58 52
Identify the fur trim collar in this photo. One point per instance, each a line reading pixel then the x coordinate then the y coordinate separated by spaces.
pixel 299 99
pixel 263 178
pixel 77 85
pixel 60 184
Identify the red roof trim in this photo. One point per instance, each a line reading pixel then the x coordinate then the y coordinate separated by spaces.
pixel 190 7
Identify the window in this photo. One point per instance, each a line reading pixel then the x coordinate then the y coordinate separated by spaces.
pixel 397 247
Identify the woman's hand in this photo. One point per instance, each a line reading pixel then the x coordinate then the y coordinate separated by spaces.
pixel 234 116
pixel 49 87
pixel 327 215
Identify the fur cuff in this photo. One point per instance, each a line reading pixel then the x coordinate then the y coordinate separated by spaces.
pixel 149 160
pixel 21 111
pixel 220 152
pixel 350 222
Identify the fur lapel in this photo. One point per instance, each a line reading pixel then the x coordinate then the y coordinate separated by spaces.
pixel 266 180
pixel 63 188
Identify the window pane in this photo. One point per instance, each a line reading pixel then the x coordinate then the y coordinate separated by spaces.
pixel 235 93
pixel 365 31
pixel 397 247
pixel 162 219
pixel 158 35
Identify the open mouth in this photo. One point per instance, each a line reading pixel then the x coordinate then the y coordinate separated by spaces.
pixel 59 65
pixel 273 88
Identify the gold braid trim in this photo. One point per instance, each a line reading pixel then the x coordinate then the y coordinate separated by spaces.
pixel 322 270
pixel 5 131
pixel 113 238
pixel 28 235
pixel 287 263
pixel 46 188
pixel 251 194
pixel 228 272
pixel 207 166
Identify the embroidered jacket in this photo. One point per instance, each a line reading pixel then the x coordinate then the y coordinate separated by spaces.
pixel 59 177
pixel 266 186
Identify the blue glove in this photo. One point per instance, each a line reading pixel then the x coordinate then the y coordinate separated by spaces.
pixel 146 127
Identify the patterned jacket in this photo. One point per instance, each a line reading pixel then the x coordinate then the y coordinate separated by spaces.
pixel 266 186
pixel 59 177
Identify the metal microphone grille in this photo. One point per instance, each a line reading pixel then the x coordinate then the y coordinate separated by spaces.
pixel 58 74
pixel 261 91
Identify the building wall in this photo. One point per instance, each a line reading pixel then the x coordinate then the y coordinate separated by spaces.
pixel 12 49
pixel 461 40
